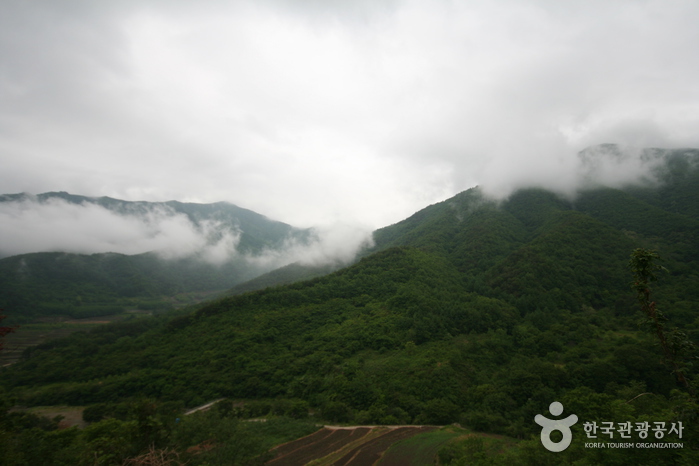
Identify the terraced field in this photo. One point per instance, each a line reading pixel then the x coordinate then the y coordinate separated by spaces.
pixel 343 446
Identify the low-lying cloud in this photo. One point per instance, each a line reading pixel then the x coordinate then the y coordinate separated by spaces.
pixel 338 244
pixel 567 173
pixel 56 225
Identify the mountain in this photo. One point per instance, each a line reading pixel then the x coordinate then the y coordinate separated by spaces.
pixel 84 285
pixel 472 310
pixel 563 241
pixel 257 232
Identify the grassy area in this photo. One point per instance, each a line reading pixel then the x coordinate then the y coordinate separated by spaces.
pixel 473 447
pixel 72 415
pixel 420 449
pixel 447 443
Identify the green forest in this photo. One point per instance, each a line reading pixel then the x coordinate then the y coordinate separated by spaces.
pixel 47 284
pixel 50 284
pixel 471 311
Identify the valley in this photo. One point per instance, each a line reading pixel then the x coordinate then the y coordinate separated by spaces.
pixel 471 311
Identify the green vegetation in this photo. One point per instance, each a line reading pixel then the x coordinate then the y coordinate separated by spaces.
pixel 39 285
pixel 141 430
pixel 421 449
pixel 4 331
pixel 34 334
pixel 470 312
pixel 479 449
pixel 80 286
pixel 291 273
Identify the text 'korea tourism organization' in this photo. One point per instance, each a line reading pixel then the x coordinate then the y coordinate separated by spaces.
pixel 607 434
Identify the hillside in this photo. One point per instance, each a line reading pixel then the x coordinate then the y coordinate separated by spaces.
pixel 285 275
pixel 470 311
pixel 82 285
pixel 570 250
pixel 256 231
pixel 79 285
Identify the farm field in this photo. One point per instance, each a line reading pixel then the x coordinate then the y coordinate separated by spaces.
pixel 346 446
pixel 71 415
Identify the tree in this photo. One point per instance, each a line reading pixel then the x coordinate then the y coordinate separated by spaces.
pixel 674 344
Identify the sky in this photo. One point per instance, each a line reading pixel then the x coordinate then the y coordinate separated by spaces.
pixel 319 113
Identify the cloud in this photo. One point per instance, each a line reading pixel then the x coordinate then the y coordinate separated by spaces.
pixel 56 225
pixel 317 112
pixel 603 165
pixel 338 243
pixel 619 166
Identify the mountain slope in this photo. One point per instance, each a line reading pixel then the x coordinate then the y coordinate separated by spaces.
pixel 257 231
pixel 560 245
pixel 80 285
pixel 470 311
pixel 77 285
pixel 292 273
pixel 234 346
pixel 471 265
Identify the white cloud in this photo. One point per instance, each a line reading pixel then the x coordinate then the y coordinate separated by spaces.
pixel 56 225
pixel 314 112
pixel 338 243
pixel 605 165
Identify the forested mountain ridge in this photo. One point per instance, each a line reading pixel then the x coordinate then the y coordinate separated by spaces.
pixel 83 285
pixel 564 245
pixel 474 311
pixel 668 190
pixel 256 230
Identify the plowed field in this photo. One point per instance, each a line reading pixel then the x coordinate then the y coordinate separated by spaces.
pixel 345 446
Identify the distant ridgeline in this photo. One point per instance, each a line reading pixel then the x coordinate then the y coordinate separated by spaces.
pixel 471 311
pixel 257 231
pixel 83 285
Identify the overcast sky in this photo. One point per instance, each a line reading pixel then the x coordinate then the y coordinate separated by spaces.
pixel 313 112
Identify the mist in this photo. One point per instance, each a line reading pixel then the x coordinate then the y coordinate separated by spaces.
pixel 567 173
pixel 333 244
pixel 56 225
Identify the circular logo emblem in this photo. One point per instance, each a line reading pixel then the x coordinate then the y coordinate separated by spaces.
pixel 561 425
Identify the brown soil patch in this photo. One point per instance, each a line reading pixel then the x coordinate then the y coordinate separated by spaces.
pixel 322 447
pixel 288 447
pixel 346 446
